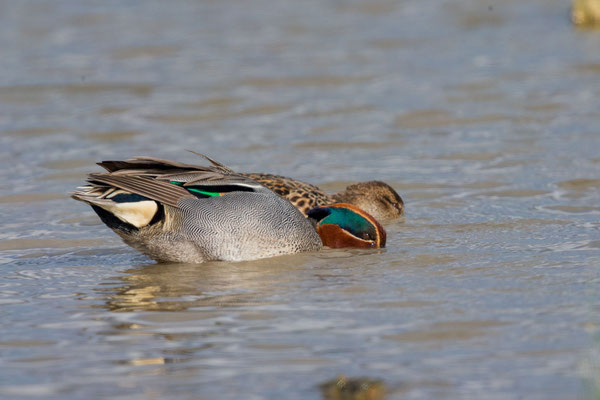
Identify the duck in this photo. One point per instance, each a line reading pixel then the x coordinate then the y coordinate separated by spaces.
pixel 183 213
pixel 377 198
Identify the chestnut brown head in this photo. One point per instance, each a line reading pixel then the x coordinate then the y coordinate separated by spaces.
pixel 344 225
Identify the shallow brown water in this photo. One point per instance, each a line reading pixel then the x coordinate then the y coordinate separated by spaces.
pixel 485 118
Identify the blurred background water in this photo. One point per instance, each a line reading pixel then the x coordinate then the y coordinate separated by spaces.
pixel 483 115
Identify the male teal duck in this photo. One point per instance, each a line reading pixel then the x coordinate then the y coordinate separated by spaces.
pixel 375 197
pixel 175 212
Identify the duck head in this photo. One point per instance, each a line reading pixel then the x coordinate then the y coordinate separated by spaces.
pixel 375 197
pixel 344 225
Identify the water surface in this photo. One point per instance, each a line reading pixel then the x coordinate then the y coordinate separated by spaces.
pixel 483 117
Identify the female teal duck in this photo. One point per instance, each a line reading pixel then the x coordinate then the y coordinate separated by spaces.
pixel 375 197
pixel 175 212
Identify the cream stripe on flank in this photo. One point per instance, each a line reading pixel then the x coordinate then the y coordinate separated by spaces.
pixel 138 213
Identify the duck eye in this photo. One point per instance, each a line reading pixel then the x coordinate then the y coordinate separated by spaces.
pixel 389 201
pixel 366 236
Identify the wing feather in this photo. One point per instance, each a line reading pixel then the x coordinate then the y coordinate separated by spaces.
pixel 160 191
pixel 152 178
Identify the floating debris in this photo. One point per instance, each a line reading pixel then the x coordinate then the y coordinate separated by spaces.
pixel 586 12
pixel 344 388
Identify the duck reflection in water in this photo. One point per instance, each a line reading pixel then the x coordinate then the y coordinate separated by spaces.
pixel 178 287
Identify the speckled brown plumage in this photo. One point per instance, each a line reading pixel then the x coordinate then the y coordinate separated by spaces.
pixel 375 197
pixel 303 196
